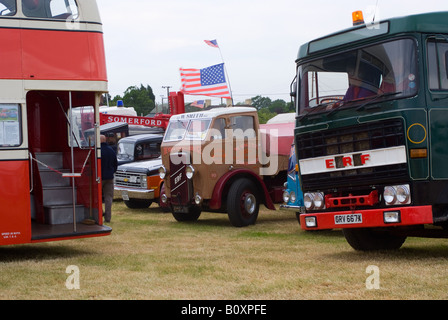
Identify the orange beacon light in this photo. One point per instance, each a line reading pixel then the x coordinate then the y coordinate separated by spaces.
pixel 358 18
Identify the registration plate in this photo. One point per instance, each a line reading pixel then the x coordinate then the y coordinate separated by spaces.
pixel 124 195
pixel 348 218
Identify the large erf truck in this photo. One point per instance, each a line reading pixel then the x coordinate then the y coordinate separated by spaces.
pixel 371 133
pixel 223 160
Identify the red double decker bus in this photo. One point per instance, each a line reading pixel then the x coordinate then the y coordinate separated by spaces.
pixel 52 71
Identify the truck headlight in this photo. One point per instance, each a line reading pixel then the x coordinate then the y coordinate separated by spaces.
pixel 397 194
pixel 308 201
pixel 389 195
pixel 293 196
pixel 285 196
pixel 314 201
pixel 162 172
pixel 189 172
pixel 403 194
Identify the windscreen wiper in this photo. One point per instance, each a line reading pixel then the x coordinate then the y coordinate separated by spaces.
pixel 374 98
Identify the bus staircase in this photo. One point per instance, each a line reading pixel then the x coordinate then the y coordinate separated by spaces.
pixel 56 214
pixel 57 191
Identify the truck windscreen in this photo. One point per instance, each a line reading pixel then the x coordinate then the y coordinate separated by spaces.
pixel 381 71
pixel 195 129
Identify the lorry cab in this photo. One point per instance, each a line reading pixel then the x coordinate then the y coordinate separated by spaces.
pixel 216 160
pixel 371 130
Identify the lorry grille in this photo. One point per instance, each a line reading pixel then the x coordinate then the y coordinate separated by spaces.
pixel 129 179
pixel 371 136
pixel 180 186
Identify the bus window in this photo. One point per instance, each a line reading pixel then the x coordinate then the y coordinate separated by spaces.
pixel 8 7
pixel 10 125
pixel 53 9
pixel 438 64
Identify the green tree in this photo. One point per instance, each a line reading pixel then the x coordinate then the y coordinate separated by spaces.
pixel 260 102
pixel 264 115
pixel 141 98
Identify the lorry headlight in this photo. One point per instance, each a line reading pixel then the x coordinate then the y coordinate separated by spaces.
pixel 162 172
pixel 286 196
pixel 397 194
pixel 189 172
pixel 403 194
pixel 319 202
pixel 164 198
pixel 293 196
pixel 308 201
pixel 389 195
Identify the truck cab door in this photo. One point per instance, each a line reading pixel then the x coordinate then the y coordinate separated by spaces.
pixel 437 100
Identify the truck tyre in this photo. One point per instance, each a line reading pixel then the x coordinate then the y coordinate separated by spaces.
pixel 242 203
pixel 192 215
pixel 367 239
pixel 137 203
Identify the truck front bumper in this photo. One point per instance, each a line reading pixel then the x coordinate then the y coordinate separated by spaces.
pixel 384 217
pixel 300 209
pixel 129 193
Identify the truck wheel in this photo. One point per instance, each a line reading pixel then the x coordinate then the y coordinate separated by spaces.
pixel 242 203
pixel 137 203
pixel 366 239
pixel 192 215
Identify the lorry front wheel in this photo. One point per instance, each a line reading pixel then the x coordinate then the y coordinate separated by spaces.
pixel 367 239
pixel 242 203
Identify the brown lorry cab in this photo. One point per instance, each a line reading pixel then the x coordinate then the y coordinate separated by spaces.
pixel 223 160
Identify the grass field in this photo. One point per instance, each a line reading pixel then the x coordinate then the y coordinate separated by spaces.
pixel 151 256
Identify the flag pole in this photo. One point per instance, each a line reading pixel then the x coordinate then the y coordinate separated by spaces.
pixel 215 45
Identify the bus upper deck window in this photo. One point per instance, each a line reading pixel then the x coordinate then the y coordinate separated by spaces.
pixel 51 9
pixel 8 7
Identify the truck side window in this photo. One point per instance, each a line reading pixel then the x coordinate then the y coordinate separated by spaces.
pixel 243 127
pixel 437 64
pixel 53 9
pixel 218 129
pixel 8 7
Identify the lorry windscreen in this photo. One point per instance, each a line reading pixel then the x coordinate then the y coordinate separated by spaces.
pixel 194 129
pixel 377 72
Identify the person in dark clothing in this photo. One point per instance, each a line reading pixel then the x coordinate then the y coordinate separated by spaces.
pixel 109 166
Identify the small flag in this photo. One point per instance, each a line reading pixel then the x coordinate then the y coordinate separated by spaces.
pixel 198 103
pixel 212 43
pixel 210 81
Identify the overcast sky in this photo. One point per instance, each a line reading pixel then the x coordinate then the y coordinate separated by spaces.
pixel 148 41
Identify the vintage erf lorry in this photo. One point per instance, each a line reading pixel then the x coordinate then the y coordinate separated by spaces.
pixel 223 160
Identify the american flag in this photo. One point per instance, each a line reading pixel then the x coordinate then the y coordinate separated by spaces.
pixel 198 103
pixel 209 81
pixel 212 43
